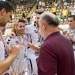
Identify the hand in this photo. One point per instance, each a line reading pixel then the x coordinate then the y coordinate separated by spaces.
pixel 12 34
pixel 64 32
pixel 71 36
pixel 13 73
pixel 35 48
pixel 14 50
pixel 22 73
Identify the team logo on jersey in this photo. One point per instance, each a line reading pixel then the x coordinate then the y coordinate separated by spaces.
pixel 35 31
pixel 17 42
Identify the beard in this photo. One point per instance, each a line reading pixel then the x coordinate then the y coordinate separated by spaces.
pixel 2 24
pixel 2 27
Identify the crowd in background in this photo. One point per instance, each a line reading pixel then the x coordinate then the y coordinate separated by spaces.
pixel 46 43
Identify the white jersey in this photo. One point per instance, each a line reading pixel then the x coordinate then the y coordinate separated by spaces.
pixel 2 53
pixel 34 38
pixel 69 31
pixel 20 63
pixel 14 41
pixel 2 50
pixel 32 30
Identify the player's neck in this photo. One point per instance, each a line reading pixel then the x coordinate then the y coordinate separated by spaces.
pixel 18 34
pixel 1 30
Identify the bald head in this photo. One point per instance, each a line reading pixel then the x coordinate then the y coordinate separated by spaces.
pixel 50 19
pixel 48 24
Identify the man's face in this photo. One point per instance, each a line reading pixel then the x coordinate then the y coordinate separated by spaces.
pixel 21 28
pixel 4 17
pixel 41 29
pixel 71 23
pixel 37 19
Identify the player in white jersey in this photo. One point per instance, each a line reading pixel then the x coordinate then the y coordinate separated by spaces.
pixel 34 38
pixel 2 49
pixel 70 32
pixel 6 11
pixel 19 64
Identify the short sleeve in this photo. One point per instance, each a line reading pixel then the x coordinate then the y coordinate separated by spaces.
pixel 47 62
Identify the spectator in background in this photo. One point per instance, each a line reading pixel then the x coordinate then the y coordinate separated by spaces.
pixel 40 3
pixel 53 9
pixel 34 17
pixel 65 3
pixel 72 11
pixel 43 5
pixel 23 15
pixel 28 19
pixel 55 4
pixel 65 13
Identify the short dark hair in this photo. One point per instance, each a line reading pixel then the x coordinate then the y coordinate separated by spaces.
pixel 72 16
pixel 21 20
pixel 39 12
pixel 8 7
pixel 51 19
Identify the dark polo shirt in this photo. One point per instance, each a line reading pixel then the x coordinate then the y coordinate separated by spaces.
pixel 56 56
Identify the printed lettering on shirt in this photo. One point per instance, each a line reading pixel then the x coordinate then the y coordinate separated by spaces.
pixel 36 31
pixel 17 42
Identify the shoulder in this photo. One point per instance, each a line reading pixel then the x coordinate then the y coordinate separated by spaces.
pixel 8 39
pixel 29 26
pixel 25 35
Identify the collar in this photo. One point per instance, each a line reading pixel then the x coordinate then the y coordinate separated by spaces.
pixel 35 23
pixel 70 29
pixel 51 35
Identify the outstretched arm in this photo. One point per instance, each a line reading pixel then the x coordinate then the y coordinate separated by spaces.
pixel 34 47
pixel 4 65
pixel 63 31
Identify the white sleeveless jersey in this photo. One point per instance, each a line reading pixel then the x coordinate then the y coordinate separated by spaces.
pixel 33 37
pixel 14 41
pixel 2 50
pixel 69 31
pixel 20 63
pixel 2 53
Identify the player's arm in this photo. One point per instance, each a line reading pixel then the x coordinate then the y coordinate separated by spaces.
pixel 34 47
pixel 63 31
pixel 4 65
pixel 12 34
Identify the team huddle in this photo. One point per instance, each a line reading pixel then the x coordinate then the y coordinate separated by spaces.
pixel 38 48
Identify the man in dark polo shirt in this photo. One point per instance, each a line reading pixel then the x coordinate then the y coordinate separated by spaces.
pixel 56 53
